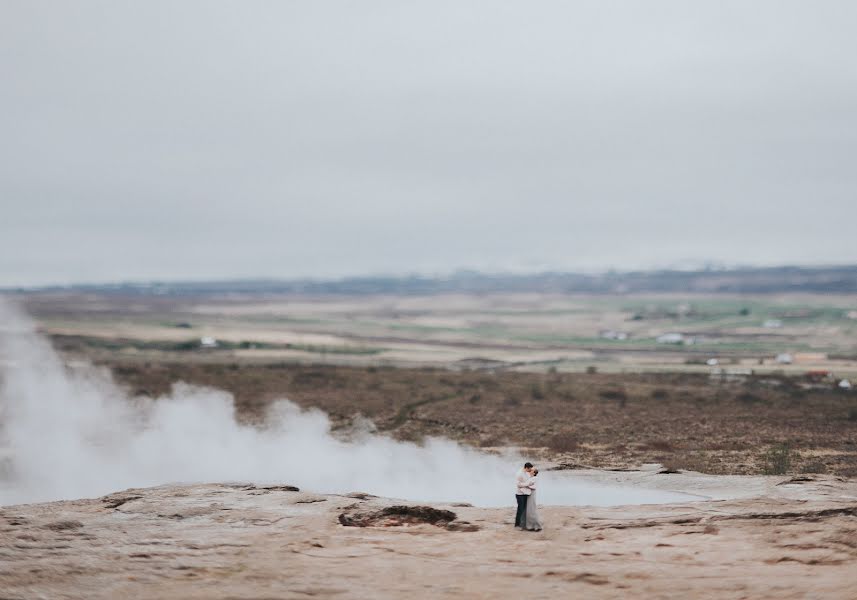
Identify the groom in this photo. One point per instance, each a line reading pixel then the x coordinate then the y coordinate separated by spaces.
pixel 522 493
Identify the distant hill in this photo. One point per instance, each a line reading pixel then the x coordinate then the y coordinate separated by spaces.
pixel 836 279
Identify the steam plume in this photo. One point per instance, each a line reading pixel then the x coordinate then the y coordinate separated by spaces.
pixel 70 433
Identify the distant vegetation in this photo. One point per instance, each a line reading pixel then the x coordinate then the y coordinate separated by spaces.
pixel 778 460
pixel 841 279
pixel 75 342
pixel 752 425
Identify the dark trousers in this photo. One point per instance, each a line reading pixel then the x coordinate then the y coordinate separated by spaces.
pixel 522 509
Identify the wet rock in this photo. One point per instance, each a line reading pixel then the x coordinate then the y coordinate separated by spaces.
pixel 567 466
pixel 190 512
pixel 462 526
pixel 360 495
pixel 117 500
pixel 279 488
pixel 63 525
pixel 798 479
pixel 393 516
pixel 263 488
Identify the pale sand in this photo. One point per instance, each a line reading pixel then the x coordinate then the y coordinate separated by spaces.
pixel 795 540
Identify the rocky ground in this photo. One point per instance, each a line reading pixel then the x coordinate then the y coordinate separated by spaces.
pixel 757 537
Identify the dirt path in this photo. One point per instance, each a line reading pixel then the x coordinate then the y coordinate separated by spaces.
pixel 406 411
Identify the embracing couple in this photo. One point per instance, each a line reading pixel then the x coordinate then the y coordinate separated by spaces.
pixel 527 516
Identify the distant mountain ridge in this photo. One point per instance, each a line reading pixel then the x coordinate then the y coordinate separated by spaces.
pixel 763 280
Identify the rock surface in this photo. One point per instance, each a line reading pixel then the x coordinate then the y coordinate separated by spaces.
pixel 798 539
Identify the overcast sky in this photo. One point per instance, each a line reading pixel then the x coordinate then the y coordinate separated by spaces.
pixel 176 140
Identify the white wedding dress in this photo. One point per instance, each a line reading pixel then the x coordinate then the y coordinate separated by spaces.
pixel 532 521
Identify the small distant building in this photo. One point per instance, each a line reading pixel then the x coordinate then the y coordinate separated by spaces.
pixel 818 375
pixel 609 334
pixel 773 323
pixel 712 362
pixel 844 385
pixel 785 358
pixel 671 338
pixel 207 342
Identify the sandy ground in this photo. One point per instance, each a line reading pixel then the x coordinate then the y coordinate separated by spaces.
pixel 755 538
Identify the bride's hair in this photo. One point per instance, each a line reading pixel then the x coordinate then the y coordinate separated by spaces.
pixel 535 472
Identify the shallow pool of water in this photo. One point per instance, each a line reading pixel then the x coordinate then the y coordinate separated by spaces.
pixel 554 489
pixel 567 490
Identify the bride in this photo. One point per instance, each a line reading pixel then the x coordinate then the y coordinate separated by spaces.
pixel 532 521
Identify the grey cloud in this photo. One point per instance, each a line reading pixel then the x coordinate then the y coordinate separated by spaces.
pixel 215 139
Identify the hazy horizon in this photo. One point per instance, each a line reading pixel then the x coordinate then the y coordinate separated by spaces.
pixel 212 140
pixel 436 275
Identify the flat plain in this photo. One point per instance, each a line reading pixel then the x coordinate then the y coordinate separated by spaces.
pixel 578 379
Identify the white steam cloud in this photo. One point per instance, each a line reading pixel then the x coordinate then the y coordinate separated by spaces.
pixel 71 433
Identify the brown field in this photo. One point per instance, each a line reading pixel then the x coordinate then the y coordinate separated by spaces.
pixel 684 421
pixel 528 370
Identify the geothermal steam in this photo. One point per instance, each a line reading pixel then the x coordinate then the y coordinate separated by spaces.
pixel 71 433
